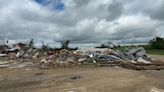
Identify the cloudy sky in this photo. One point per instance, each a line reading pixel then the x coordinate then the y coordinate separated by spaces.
pixel 86 23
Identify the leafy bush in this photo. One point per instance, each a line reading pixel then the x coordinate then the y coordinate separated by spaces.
pixel 157 43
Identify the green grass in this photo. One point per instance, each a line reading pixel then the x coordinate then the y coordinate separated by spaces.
pixel 157 52
pixel 148 49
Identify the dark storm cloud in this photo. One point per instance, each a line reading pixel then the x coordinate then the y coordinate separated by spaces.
pixel 115 10
pixel 156 11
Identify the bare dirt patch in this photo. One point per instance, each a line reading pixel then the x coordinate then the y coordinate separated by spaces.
pixel 95 79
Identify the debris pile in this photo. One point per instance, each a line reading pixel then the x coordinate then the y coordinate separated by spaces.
pixel 134 58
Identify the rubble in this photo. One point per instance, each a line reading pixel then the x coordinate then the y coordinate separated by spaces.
pixel 3 55
pixel 133 58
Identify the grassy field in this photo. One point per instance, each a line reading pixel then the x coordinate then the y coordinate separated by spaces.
pixel 148 49
pixel 157 52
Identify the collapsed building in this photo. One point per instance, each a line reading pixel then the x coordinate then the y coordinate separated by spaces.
pixel 130 57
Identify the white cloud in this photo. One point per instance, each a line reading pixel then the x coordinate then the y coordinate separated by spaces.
pixel 84 23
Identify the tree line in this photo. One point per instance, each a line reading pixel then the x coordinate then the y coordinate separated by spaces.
pixel 155 43
pixel 45 47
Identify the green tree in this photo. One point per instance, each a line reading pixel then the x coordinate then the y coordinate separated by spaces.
pixel 157 43
pixel 44 47
pixel 64 45
pixel 76 48
pixel 31 43
pixel 102 46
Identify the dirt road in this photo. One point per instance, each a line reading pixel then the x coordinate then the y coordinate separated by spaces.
pixel 157 57
pixel 94 79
